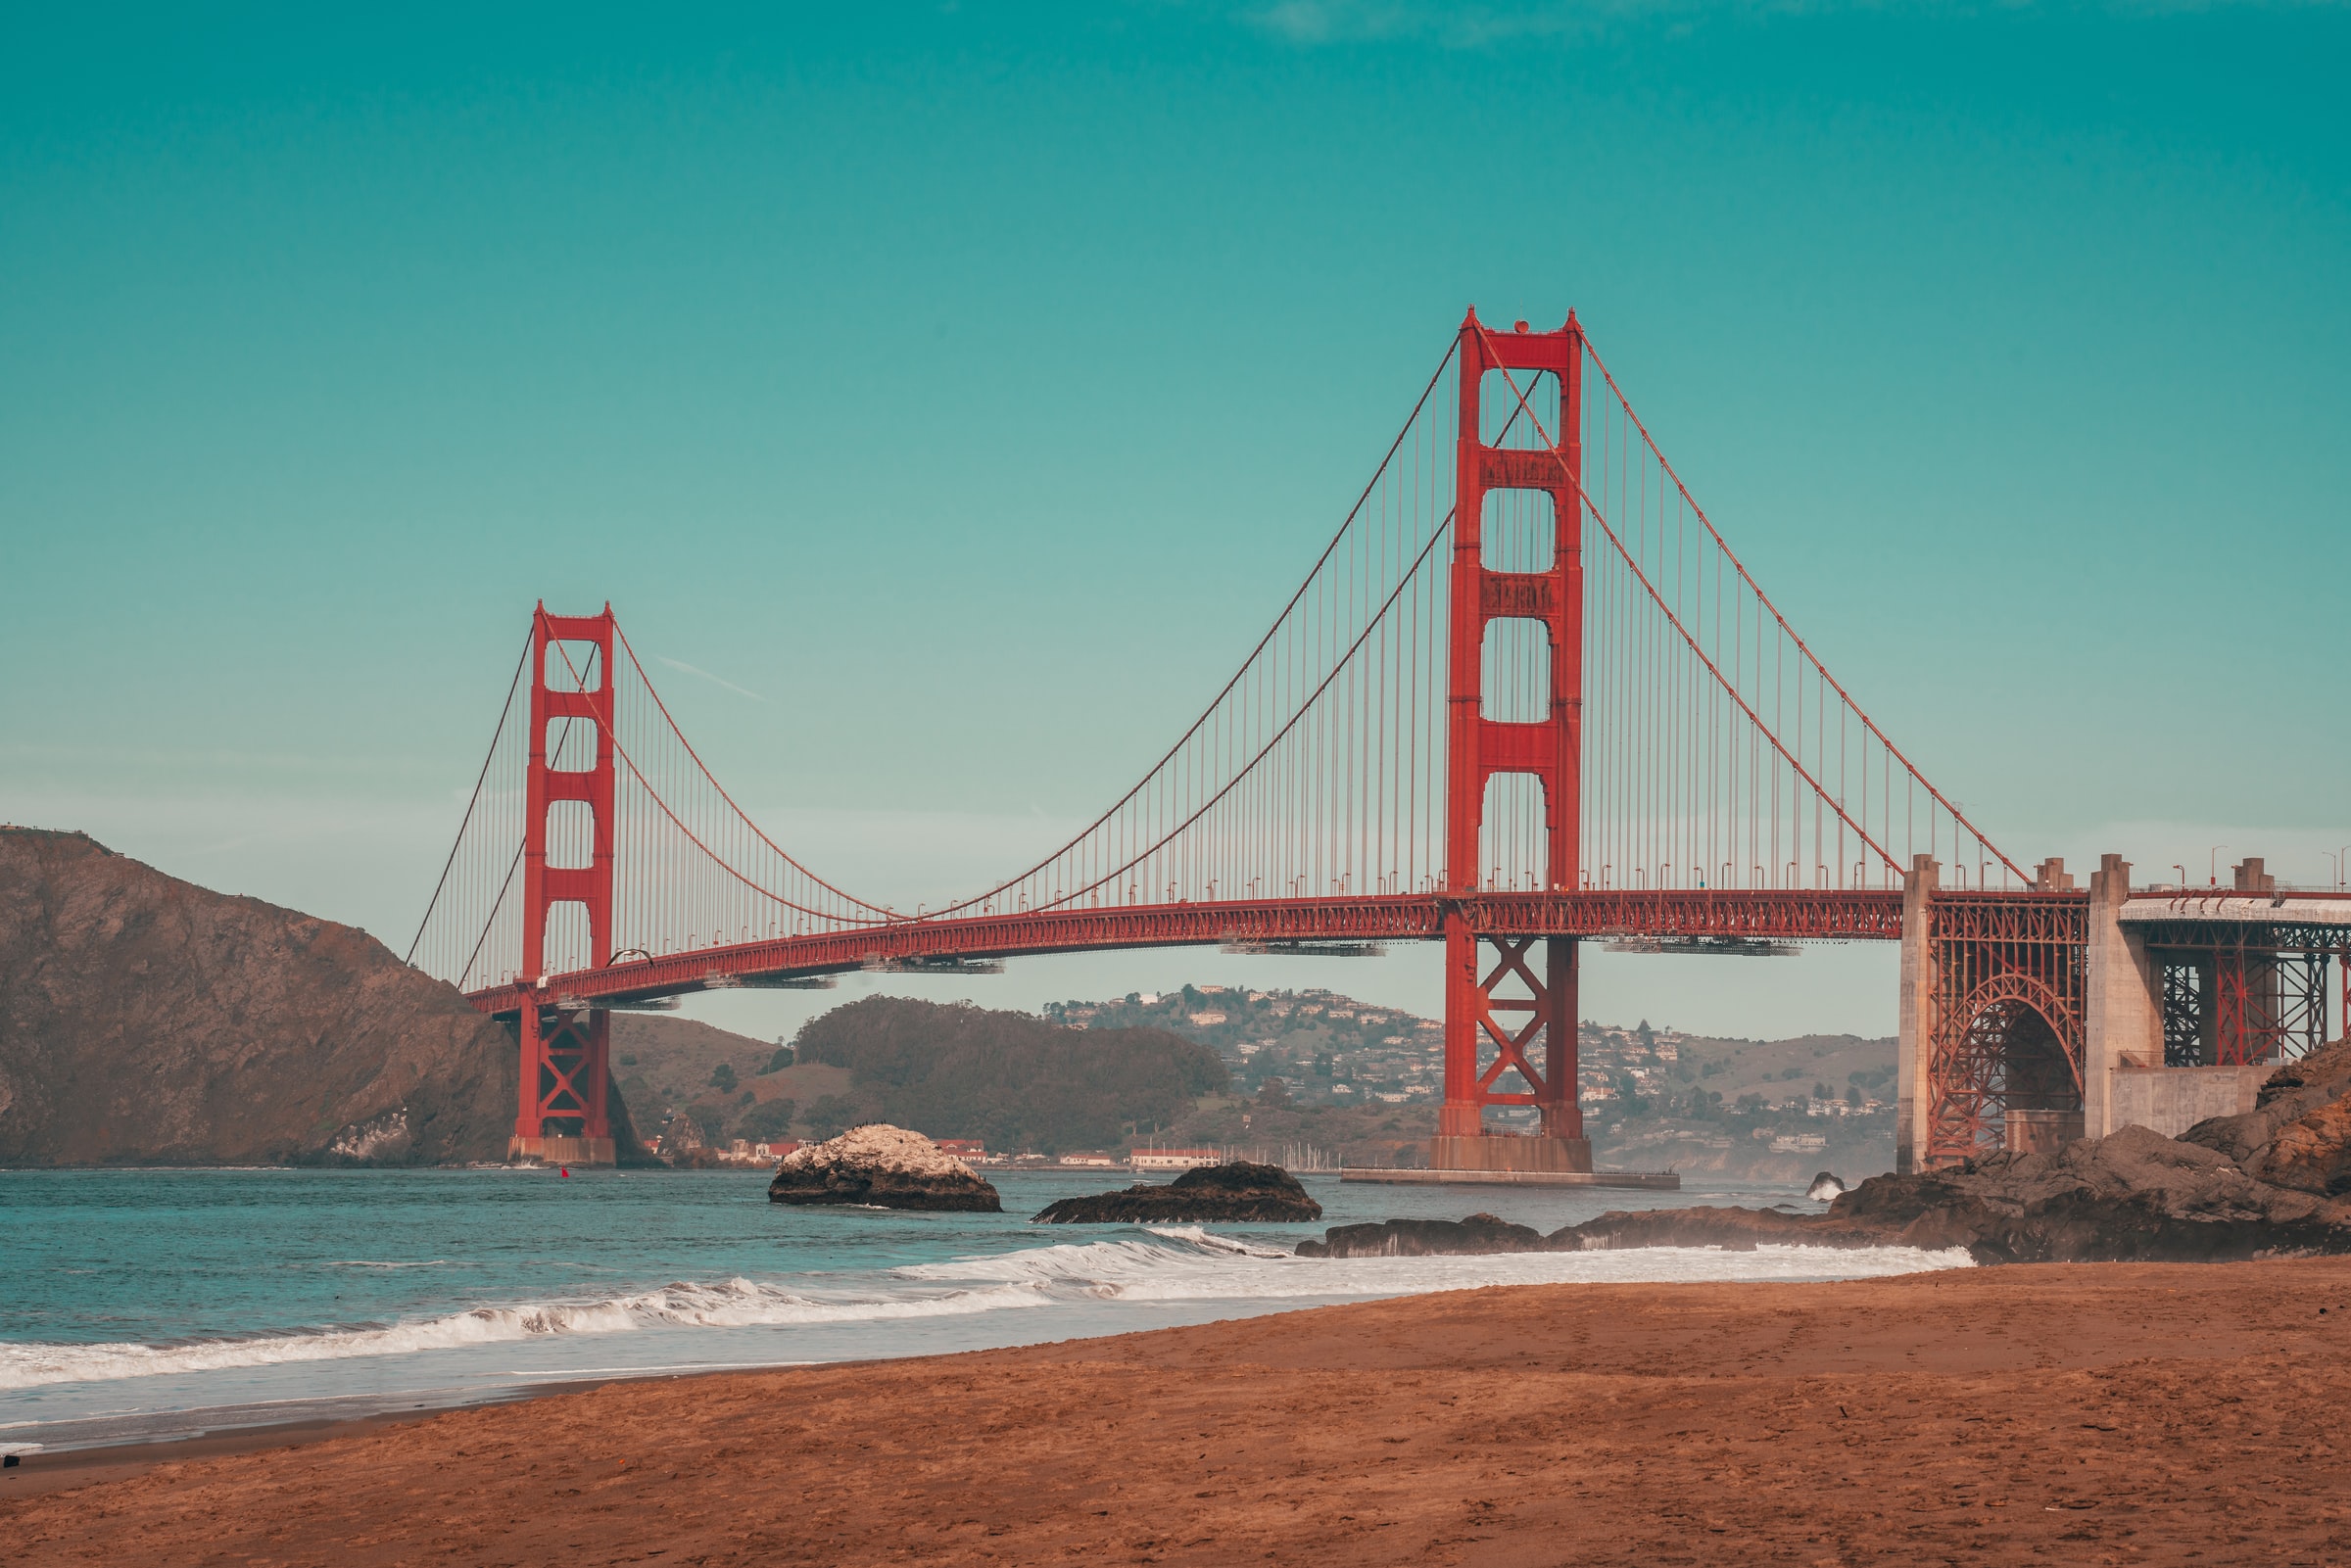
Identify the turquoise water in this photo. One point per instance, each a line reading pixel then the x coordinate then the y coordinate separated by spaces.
pixel 147 1302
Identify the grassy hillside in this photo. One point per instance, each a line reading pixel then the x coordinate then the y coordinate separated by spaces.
pixel 666 1065
pixel 1009 1079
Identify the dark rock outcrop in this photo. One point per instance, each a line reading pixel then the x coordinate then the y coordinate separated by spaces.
pixel 2298 1133
pixel 2275 1180
pixel 2134 1196
pixel 1425 1238
pixel 145 1020
pixel 1235 1192
pixel 1737 1230
pixel 882 1166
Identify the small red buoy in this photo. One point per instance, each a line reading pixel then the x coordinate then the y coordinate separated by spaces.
pixel 566 1172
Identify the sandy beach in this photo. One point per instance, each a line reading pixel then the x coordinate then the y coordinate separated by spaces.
pixel 2090 1413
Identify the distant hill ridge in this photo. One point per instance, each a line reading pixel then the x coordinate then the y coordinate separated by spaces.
pixel 1009 1079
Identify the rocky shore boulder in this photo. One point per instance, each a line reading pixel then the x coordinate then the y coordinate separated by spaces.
pixel 1425 1238
pixel 1237 1191
pixel 2274 1181
pixel 882 1166
pixel 2136 1196
pixel 1735 1230
pixel 2298 1133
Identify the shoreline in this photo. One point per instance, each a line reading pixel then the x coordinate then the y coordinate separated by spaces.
pixel 55 1469
pixel 117 1414
pixel 2167 1411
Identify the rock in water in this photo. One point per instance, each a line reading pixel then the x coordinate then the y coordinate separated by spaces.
pixel 1825 1186
pixel 884 1165
pixel 1234 1192
pixel 1425 1238
pixel 1733 1230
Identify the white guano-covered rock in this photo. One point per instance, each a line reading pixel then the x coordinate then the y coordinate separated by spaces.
pixel 884 1165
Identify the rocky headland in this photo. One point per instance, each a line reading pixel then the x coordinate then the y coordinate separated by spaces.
pixel 884 1165
pixel 1237 1191
pixel 2273 1182
pixel 146 1021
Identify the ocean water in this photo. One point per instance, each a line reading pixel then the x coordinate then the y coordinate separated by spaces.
pixel 145 1303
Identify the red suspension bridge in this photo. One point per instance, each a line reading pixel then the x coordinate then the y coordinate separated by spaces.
pixel 1525 695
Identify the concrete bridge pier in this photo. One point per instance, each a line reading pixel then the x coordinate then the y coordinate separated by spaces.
pixel 2122 1001
pixel 1915 1043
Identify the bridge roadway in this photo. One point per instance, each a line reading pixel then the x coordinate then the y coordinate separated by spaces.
pixel 1777 915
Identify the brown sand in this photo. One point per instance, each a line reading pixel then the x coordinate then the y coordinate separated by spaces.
pixel 2076 1415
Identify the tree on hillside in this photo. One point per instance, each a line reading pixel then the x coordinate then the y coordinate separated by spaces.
pixel 767 1122
pixel 834 1114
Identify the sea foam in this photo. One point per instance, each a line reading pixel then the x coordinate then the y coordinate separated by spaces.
pixel 1189 1265
pixel 730 1303
pixel 1157 1264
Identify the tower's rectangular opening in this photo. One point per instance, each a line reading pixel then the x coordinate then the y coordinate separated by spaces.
pixel 567 937
pixel 570 834
pixel 1515 681
pixel 1503 424
pixel 571 746
pixel 1520 531
pixel 574 666
pixel 1514 840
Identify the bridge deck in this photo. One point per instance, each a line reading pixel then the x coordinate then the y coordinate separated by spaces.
pixel 1778 915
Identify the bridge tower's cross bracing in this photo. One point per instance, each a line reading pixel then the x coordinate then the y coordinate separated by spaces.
pixel 566 1083
pixel 1522 1010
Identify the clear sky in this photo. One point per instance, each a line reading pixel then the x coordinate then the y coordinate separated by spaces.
pixel 962 388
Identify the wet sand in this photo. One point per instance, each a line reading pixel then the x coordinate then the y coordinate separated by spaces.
pixel 2076 1415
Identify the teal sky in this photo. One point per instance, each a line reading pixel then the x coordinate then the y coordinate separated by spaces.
pixel 970 384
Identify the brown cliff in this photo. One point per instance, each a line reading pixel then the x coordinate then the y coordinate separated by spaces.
pixel 145 1020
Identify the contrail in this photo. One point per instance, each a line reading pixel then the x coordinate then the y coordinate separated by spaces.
pixel 714 680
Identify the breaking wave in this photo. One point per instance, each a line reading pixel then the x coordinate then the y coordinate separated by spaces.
pixel 733 1303
pixel 1189 1265
pixel 1158 1264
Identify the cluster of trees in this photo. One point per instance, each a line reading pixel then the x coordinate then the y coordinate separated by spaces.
pixel 1014 1081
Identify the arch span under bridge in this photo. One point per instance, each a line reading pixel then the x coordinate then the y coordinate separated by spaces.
pixel 1525 695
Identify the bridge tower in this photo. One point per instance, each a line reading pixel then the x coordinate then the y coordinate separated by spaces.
pixel 565 1082
pixel 1525 1011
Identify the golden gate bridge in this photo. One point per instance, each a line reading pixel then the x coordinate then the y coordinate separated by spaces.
pixel 1525 695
